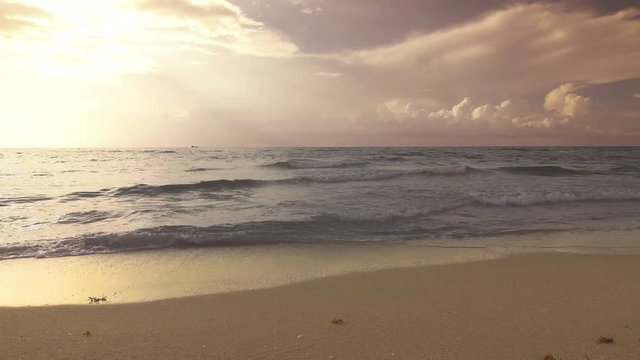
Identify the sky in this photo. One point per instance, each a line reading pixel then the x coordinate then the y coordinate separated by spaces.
pixel 151 73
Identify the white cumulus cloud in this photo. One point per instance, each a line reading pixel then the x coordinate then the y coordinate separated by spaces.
pixel 565 103
pixel 560 108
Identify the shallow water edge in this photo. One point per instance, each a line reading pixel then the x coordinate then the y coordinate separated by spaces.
pixel 172 273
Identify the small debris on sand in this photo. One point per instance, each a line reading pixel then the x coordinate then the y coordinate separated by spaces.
pixel 338 322
pixel 604 340
pixel 96 300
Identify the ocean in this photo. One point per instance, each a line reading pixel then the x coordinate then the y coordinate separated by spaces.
pixel 64 202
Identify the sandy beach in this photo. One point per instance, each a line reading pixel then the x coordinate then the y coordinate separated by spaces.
pixel 320 180
pixel 521 307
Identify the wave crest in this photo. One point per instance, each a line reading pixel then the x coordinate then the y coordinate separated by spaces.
pixel 535 198
pixel 239 184
pixel 211 185
pixel 314 164
pixel 542 170
pixel 201 169
pixel 85 217
pixel 22 200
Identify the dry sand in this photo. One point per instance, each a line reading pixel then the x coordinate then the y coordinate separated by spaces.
pixel 522 307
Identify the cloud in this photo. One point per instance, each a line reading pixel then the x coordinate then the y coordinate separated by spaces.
pixel 512 113
pixel 310 10
pixel 329 74
pixel 519 49
pixel 212 72
pixel 564 102
pixel 359 24
pixel 497 76
pixel 635 115
pixel 218 23
pixel 308 7
pixel 15 17
pixel 105 39
pixel 187 9
pixel 72 38
pixel 562 111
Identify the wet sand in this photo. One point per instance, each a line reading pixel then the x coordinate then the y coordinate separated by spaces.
pixel 521 307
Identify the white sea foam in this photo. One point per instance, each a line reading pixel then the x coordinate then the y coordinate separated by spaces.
pixel 533 198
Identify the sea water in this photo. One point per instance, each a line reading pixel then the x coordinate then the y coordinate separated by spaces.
pixel 61 202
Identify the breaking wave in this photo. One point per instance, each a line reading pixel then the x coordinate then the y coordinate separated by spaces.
pixel 314 164
pixel 322 229
pixel 211 185
pixel 85 217
pixel 22 200
pixel 240 184
pixel 132 199
pixel 542 170
pixel 201 169
pixel 535 198
pixel 180 236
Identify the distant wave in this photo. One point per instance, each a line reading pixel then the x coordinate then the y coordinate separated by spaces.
pixel 408 153
pixel 393 158
pixel 383 175
pixel 201 169
pixel 314 164
pixel 212 185
pixel 542 170
pixel 22 200
pixel 85 217
pixel 238 184
pixel 215 186
pixel 383 217
pixel 219 185
pixel 625 169
pixel 159 151
pixel 535 198
pixel 79 195
pixel 365 175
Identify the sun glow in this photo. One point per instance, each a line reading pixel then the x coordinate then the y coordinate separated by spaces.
pixel 246 73
pixel 80 39
pixel 56 75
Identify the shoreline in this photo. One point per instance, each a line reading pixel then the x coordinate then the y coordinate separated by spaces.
pixel 518 307
pixel 142 276
pixel 177 273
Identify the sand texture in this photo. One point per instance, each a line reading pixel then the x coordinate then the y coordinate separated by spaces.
pixel 522 307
